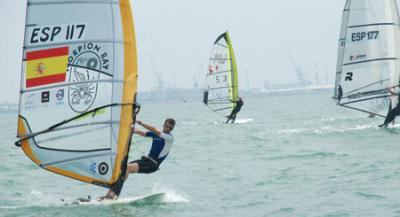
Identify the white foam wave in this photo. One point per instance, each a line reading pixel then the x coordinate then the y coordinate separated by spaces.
pixel 293 131
pixel 243 121
pixel 327 129
pixel 237 121
pixel 9 207
pixel 171 195
pixel 38 198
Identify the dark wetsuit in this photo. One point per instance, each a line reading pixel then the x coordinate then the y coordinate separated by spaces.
pixel 237 108
pixel 339 93
pixel 392 114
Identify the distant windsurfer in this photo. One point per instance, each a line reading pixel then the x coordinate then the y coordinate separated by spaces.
pixel 393 112
pixel 162 142
pixel 340 93
pixel 238 106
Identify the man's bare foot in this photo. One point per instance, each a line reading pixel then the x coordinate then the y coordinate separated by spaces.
pixel 109 196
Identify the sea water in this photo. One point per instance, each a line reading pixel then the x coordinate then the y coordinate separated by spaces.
pixel 288 155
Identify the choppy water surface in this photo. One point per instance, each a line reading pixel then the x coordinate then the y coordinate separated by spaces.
pixel 290 155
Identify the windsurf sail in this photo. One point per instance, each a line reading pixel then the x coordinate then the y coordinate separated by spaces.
pixel 221 86
pixel 78 88
pixel 368 56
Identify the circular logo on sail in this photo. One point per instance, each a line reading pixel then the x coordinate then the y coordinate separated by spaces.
pixel 86 64
pixel 60 94
pixel 103 168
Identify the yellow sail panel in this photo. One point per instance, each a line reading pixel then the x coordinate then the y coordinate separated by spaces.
pixel 234 72
pixel 26 147
pixel 130 86
pixel 76 176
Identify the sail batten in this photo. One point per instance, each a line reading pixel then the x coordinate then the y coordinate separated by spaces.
pixel 371 60
pixel 372 24
pixel 72 2
pixel 75 42
pixel 106 154
pixel 74 126
pixel 66 84
pixel 78 87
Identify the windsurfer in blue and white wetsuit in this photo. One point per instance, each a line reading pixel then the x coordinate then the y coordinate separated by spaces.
pixel 394 112
pixel 162 142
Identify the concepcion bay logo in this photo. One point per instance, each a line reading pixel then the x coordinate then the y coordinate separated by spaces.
pixel 86 64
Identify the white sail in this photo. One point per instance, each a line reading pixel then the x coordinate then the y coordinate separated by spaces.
pixel 78 87
pixel 368 57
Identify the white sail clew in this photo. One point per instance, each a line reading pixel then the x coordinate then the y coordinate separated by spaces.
pixel 78 87
pixel 368 56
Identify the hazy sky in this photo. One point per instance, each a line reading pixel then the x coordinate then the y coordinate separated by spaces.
pixel 178 36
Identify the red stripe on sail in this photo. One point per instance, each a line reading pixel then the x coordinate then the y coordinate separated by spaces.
pixel 41 54
pixel 34 82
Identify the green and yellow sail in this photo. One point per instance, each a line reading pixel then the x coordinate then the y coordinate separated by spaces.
pixel 221 86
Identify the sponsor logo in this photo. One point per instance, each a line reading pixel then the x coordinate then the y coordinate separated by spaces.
pixel 103 168
pixel 361 36
pixel 60 94
pixel 93 167
pixel 220 58
pixel 30 101
pixel 45 96
pixel 357 57
pixel 60 97
pixel 349 76
pixel 87 63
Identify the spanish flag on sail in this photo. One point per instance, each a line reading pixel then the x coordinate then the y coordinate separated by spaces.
pixel 46 66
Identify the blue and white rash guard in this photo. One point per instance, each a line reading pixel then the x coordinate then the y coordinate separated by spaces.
pixel 161 145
